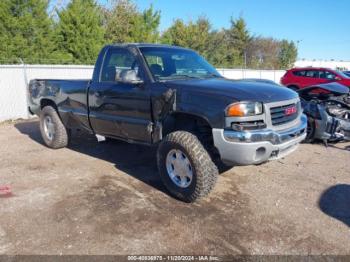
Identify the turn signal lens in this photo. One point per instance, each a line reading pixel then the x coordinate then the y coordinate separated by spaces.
pixel 235 110
pixel 244 109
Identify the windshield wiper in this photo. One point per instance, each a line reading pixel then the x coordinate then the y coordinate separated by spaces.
pixel 210 75
pixel 184 75
pixel 178 76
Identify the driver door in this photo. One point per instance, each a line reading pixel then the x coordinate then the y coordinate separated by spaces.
pixel 119 108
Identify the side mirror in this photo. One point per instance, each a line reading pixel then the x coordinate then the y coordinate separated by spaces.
pixel 130 76
pixel 337 78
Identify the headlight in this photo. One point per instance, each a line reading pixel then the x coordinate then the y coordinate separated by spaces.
pixel 244 109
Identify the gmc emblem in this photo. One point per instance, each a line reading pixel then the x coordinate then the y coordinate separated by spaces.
pixel 290 110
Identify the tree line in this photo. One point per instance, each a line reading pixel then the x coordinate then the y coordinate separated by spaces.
pixel 78 31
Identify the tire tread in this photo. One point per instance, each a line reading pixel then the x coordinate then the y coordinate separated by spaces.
pixel 61 137
pixel 206 170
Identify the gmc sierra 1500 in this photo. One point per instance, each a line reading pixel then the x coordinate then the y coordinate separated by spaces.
pixel 172 98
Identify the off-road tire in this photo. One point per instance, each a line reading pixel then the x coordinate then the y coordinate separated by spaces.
pixel 61 136
pixel 205 172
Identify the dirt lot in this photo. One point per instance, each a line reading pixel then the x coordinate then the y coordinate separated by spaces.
pixel 106 198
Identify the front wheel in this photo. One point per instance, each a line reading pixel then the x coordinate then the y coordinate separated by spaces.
pixel 185 167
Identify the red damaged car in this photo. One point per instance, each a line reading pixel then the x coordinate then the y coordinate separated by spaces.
pixel 298 78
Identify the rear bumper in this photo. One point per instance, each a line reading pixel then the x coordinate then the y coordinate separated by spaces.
pixel 255 147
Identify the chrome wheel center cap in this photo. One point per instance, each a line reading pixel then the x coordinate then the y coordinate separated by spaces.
pixel 179 168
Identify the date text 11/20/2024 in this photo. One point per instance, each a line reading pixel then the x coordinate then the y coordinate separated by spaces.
pixel 173 258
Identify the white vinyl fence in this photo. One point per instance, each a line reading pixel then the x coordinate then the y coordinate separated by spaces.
pixel 15 78
pixel 274 75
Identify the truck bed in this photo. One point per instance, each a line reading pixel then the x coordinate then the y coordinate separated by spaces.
pixel 69 96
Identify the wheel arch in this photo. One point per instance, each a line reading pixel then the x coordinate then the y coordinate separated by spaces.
pixel 195 124
pixel 48 102
pixel 184 121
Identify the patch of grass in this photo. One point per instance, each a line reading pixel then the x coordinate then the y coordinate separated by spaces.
pixel 11 121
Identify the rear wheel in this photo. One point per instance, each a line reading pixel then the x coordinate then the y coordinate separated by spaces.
pixel 185 167
pixel 53 132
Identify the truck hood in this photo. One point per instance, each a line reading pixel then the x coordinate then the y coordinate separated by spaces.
pixel 235 90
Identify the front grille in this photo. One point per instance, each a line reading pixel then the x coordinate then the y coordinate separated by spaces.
pixel 248 125
pixel 279 116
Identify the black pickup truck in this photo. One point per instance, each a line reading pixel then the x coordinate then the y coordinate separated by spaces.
pixel 172 98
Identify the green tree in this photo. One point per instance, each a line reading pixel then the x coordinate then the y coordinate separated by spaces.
pixel 80 34
pixel 238 39
pixel 26 31
pixel 217 53
pixel 262 53
pixel 287 54
pixel 125 23
pixel 176 34
pixel 195 35
pixel 120 21
pixel 148 24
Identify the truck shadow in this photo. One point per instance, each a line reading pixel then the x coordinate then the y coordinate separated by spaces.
pixel 335 202
pixel 109 210
pixel 340 147
pixel 135 160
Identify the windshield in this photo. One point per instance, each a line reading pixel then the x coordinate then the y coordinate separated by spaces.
pixel 344 75
pixel 175 63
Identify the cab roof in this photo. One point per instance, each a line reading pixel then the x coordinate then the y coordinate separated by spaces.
pixel 310 68
pixel 139 45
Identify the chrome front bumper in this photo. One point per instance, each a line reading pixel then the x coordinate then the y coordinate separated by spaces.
pixel 255 147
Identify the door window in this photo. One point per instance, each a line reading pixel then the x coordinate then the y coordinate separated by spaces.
pixel 327 75
pixel 116 62
pixel 312 73
pixel 299 73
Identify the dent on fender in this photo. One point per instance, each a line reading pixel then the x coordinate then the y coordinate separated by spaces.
pixel 162 106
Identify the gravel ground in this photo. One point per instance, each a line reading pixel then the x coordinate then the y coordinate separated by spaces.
pixel 106 198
